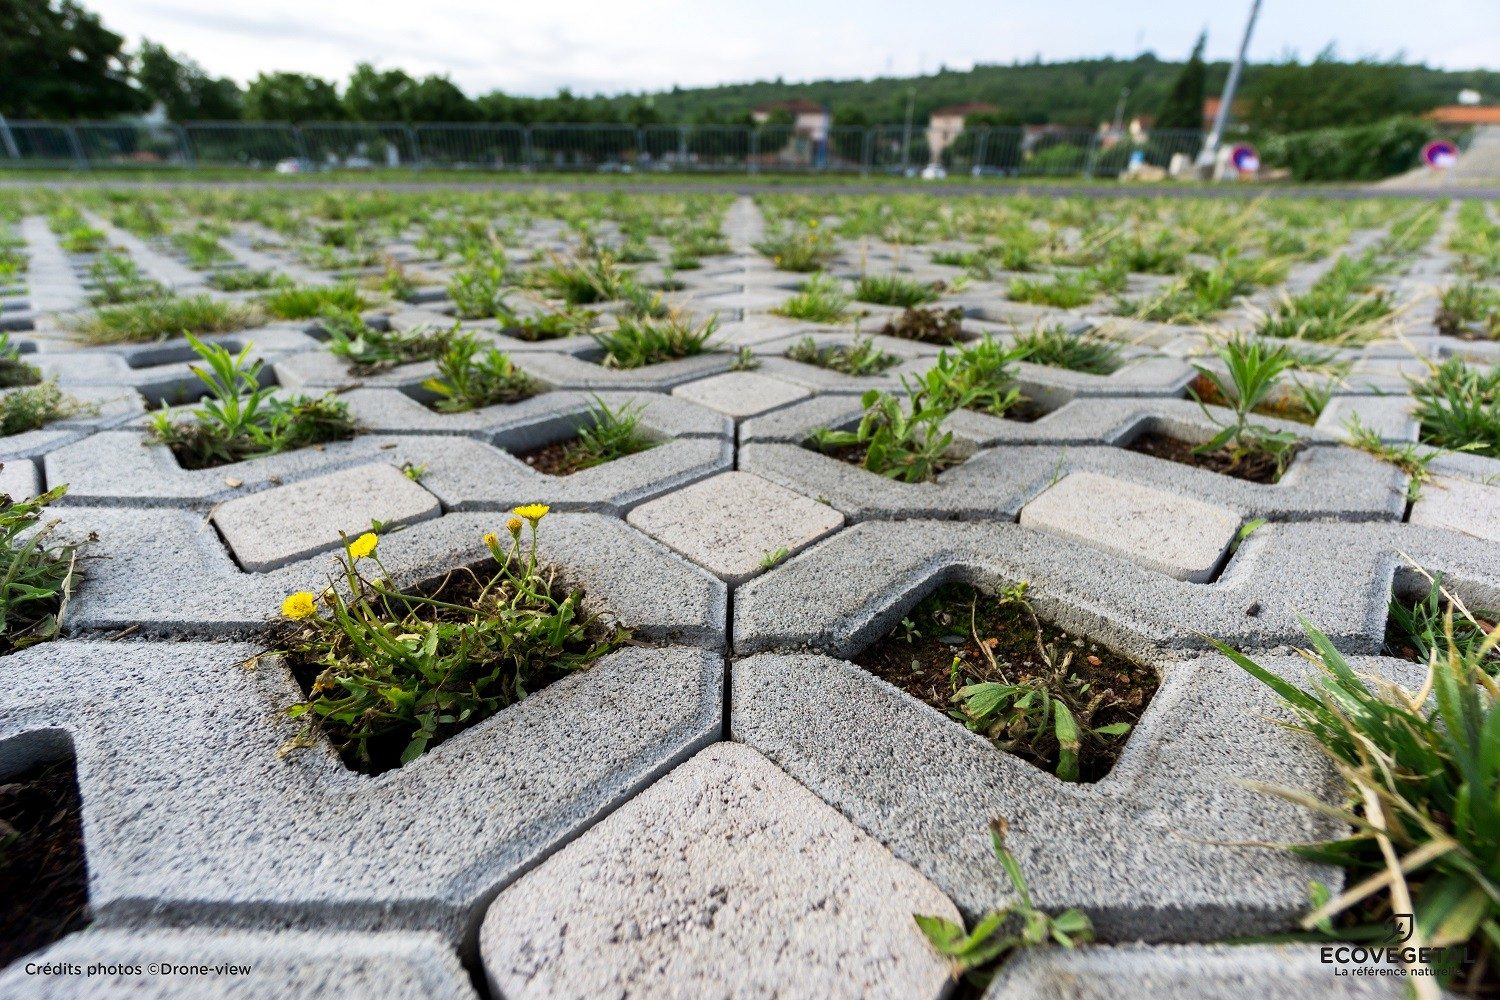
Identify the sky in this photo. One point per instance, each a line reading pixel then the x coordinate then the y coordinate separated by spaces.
pixel 604 46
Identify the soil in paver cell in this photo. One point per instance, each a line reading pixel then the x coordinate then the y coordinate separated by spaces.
pixel 563 458
pixel 1412 628
pixel 43 875
pixel 1258 468
pixel 854 454
pixel 928 326
pixel 936 651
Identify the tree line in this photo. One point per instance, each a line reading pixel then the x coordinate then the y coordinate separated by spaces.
pixel 58 60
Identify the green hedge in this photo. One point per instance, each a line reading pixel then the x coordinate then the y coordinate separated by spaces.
pixel 1355 153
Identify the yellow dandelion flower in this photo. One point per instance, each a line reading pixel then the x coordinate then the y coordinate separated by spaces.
pixel 490 540
pixel 532 512
pixel 812 223
pixel 364 546
pixel 513 526
pixel 299 605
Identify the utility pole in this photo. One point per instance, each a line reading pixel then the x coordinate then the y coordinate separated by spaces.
pixel 911 100
pixel 1120 109
pixel 1211 144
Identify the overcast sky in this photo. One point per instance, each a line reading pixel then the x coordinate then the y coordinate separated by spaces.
pixel 534 48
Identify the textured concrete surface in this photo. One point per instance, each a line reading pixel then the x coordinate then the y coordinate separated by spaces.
pixel 1459 505
pixel 725 877
pixel 289 523
pixel 735 524
pixel 1179 536
pixel 740 394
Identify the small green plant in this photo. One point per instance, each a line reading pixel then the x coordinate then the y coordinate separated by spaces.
pixel 980 376
pixel 802 248
pixel 117 279
pixel 894 290
pixel 389 674
pixel 36 572
pixel 1420 796
pixel 636 341
pixel 1420 630
pixel 1253 375
pixel 1469 309
pixel 607 433
pixel 201 248
pixel 370 351
pixel 1044 713
pixel 1065 291
pixel 478 290
pixel 745 360
pixel 899 439
pixel 468 379
pixel 244 279
pixel 584 280
pixel 860 357
pixel 975 954
pixel 308 301
pixel 773 558
pixel 820 300
pixel 241 419
pixel 84 239
pixel 33 406
pixel 1458 407
pixel 162 317
pixel 13 370
pixel 1055 346
pixel 1412 459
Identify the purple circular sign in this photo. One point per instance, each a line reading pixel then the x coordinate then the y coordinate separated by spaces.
pixel 1245 159
pixel 1440 154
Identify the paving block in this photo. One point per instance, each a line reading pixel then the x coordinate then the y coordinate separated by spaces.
pixel 725 878
pixel 1189 972
pixel 194 813
pixel 401 966
pixel 1459 505
pixel 741 394
pixel 19 479
pixel 270 529
pixel 169 575
pixel 730 523
pixel 1174 534
pixel 1160 849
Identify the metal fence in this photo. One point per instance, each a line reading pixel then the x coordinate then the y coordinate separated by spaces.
pixel 312 146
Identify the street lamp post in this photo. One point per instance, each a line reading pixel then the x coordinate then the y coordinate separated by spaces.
pixel 1211 143
pixel 911 100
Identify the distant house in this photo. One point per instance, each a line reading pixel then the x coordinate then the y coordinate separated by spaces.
pixel 1211 111
pixel 809 118
pixel 808 143
pixel 945 124
pixel 1464 115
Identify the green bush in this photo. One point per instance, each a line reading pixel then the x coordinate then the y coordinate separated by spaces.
pixel 1357 153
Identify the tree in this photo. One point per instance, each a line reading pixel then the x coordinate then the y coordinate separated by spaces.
pixel 182 87
pixel 57 60
pixel 438 99
pixel 374 95
pixel 1183 106
pixel 1289 97
pixel 293 97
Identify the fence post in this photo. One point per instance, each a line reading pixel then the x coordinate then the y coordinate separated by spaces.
pixel 301 142
pixel 1088 160
pixel 527 152
pixel 682 146
pixel 10 140
pixel 867 152
pixel 414 145
pixel 184 145
pixel 80 161
pixel 977 169
pixel 750 164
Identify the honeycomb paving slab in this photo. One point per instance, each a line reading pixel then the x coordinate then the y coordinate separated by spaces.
pixel 403 966
pixel 725 878
pixel 1150 851
pixel 289 523
pixel 1459 505
pixel 741 394
pixel 1176 535
pixel 195 812
pixel 1186 972
pixel 734 523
